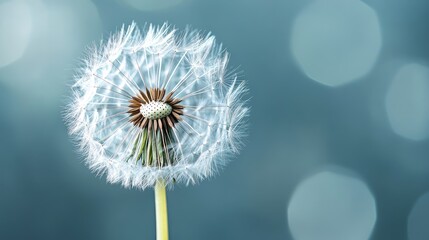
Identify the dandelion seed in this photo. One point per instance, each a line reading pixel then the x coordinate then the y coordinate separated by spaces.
pixel 154 107
pixel 157 104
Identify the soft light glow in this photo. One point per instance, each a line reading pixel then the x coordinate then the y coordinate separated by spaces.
pixel 418 219
pixel 60 32
pixel 332 205
pixel 336 41
pixel 407 102
pixel 151 5
pixel 15 28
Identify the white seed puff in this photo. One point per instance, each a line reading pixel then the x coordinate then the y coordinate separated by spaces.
pixel 157 104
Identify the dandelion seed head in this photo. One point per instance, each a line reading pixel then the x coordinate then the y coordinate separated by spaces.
pixel 157 103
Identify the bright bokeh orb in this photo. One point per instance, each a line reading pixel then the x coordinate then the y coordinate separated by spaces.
pixel 418 219
pixel 407 102
pixel 332 205
pixel 336 41
pixel 15 29
pixel 60 33
pixel 151 5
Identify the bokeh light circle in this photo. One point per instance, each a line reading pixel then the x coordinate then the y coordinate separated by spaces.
pixel 334 205
pixel 15 28
pixel 60 33
pixel 407 102
pixel 418 219
pixel 336 41
pixel 151 5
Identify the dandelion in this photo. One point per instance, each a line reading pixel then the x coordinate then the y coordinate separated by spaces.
pixel 155 107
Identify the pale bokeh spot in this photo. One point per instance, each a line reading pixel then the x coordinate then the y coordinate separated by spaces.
pixel 407 102
pixel 151 5
pixel 336 41
pixel 60 34
pixel 15 29
pixel 332 205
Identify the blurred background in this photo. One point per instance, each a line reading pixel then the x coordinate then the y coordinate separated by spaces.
pixel 338 146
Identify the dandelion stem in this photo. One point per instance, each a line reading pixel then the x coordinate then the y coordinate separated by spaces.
pixel 161 211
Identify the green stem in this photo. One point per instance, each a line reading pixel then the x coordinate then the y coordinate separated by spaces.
pixel 161 211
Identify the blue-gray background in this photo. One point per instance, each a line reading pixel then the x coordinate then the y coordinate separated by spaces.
pixel 298 126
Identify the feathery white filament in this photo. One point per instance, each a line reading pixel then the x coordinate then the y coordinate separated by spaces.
pixel 187 64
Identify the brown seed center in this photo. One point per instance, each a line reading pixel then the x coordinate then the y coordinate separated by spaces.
pixel 155 109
